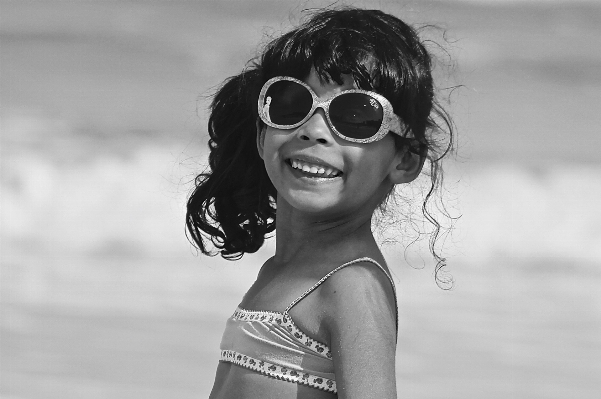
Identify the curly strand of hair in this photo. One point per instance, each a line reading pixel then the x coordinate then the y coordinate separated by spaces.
pixel 232 205
pixel 441 122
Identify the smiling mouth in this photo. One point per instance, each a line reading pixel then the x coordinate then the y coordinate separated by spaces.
pixel 314 170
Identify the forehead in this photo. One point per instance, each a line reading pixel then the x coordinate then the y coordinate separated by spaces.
pixel 324 88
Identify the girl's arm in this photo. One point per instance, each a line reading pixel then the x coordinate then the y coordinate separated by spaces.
pixel 360 318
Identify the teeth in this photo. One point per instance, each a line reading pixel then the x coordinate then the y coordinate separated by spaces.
pixel 314 169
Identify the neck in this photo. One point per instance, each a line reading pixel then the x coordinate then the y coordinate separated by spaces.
pixel 305 237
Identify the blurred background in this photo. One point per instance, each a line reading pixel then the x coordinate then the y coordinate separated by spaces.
pixel 103 127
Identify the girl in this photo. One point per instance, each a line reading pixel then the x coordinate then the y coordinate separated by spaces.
pixel 309 141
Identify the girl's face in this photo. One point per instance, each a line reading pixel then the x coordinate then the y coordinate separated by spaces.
pixel 319 173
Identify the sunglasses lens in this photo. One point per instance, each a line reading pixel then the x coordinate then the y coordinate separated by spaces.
pixel 290 102
pixel 356 115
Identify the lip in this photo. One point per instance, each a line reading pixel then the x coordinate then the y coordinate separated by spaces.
pixel 313 160
pixel 311 180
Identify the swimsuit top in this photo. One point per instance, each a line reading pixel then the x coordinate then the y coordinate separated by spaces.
pixel 270 343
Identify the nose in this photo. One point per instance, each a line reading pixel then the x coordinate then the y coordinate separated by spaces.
pixel 316 129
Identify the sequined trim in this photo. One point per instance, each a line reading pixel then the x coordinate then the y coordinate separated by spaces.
pixel 279 372
pixel 284 320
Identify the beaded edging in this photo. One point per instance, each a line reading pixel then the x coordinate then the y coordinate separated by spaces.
pixel 279 372
pixel 284 320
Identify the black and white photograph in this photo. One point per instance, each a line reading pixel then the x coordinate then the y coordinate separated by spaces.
pixel 300 199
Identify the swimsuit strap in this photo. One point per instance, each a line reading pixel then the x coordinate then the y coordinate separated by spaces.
pixel 324 278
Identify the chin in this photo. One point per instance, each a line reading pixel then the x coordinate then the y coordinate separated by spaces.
pixel 317 207
pixel 312 203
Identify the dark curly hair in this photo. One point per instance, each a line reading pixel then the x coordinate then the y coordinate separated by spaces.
pixel 233 204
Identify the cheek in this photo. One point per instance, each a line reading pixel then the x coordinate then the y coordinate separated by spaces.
pixel 266 145
pixel 375 161
pixel 267 152
pixel 271 153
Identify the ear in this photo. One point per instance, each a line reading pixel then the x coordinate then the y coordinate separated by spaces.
pixel 260 137
pixel 406 166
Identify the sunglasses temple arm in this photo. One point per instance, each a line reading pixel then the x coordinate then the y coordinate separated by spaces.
pixel 395 126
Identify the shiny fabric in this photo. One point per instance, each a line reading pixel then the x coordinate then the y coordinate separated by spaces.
pixel 270 343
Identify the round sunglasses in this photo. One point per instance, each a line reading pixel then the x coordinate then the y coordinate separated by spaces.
pixel 359 116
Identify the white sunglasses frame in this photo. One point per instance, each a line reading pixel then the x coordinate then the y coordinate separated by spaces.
pixel 390 121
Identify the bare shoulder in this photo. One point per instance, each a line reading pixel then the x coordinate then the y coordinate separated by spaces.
pixel 360 318
pixel 359 292
pixel 364 274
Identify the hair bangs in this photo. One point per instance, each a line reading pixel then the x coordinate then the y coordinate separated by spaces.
pixel 335 60
pixel 331 48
